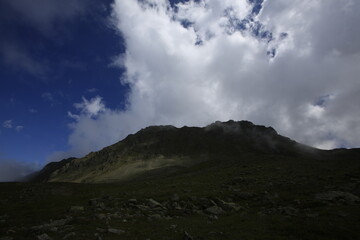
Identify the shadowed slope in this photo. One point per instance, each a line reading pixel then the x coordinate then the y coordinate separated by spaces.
pixel 159 147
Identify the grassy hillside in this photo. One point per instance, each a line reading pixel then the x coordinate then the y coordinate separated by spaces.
pixel 252 196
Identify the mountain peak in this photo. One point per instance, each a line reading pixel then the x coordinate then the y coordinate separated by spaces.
pixel 157 147
pixel 240 127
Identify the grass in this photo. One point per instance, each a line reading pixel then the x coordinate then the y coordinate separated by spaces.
pixel 275 181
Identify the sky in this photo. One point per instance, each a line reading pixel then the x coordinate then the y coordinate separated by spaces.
pixel 79 75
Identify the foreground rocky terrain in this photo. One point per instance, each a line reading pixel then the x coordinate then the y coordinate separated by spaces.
pixel 258 191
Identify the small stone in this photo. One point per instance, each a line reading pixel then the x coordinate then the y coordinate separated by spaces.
pixel 69 235
pixel 115 231
pixel 76 209
pixel 289 211
pixel 152 203
pixel 101 230
pixel 175 197
pixel 155 216
pixel 43 236
pixel 100 216
pixel 337 196
pixel 6 238
pixel 215 210
pixel 312 215
pixel 244 195
pixel 187 236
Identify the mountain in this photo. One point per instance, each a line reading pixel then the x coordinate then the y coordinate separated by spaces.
pixel 228 180
pixel 167 150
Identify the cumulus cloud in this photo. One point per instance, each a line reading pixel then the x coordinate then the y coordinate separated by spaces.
pixel 92 107
pixel 19 128
pixel 289 64
pixel 8 124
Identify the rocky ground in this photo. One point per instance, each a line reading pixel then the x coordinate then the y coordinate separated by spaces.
pixel 253 199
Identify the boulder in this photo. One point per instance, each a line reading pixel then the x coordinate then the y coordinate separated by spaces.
pixel 6 238
pixel 70 235
pixel 338 197
pixel 115 231
pixel 76 209
pixel 43 236
pixel 175 197
pixel 215 210
pixel 153 204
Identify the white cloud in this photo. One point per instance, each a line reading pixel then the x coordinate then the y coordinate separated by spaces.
pixel 12 170
pixel 92 90
pixel 19 128
pixel 92 107
pixel 48 96
pixel 208 71
pixel 8 124
pixel 32 110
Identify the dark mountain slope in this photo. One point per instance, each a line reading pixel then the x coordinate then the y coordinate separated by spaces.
pixel 159 147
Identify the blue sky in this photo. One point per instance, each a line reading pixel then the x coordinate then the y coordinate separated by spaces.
pixel 47 65
pixel 78 75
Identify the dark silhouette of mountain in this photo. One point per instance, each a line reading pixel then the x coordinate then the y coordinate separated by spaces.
pixel 160 148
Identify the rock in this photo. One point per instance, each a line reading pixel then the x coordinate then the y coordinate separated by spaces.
pixel 97 203
pixel 176 206
pixel 155 216
pixel 115 231
pixel 356 189
pixel 175 197
pixel 244 195
pixel 6 238
pixel 69 235
pixel 187 236
pixel 312 215
pixel 132 200
pixel 76 209
pixel 93 202
pixel 235 181
pixel 289 211
pixel 53 225
pixel 338 197
pixel 101 230
pixel 152 203
pixel 60 222
pixel 43 236
pixel 142 207
pixel 100 216
pixel 206 203
pixel 227 206
pixel 342 214
pixel 215 210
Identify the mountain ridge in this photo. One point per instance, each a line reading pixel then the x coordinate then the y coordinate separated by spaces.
pixel 164 146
